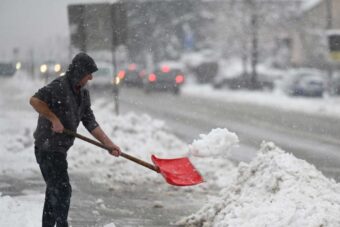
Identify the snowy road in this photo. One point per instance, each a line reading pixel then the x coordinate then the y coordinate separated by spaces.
pixel 94 205
pixel 310 137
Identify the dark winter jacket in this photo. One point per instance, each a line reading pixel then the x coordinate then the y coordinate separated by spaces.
pixel 67 104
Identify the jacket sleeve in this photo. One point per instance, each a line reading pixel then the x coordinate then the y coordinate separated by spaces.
pixel 88 119
pixel 47 93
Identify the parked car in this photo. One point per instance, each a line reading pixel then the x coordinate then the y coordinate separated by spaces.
pixel 7 69
pixel 305 83
pixel 166 76
pixel 104 77
pixel 232 76
pixel 244 81
pixel 133 75
pixel 204 65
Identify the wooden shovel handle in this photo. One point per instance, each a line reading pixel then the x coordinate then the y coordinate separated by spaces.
pixel 127 156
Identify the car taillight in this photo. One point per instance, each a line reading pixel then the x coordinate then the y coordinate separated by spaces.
pixel 165 69
pixel 179 79
pixel 152 77
pixel 121 74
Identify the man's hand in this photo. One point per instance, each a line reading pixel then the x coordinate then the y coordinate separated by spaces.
pixel 43 109
pixel 114 150
pixel 100 135
pixel 57 126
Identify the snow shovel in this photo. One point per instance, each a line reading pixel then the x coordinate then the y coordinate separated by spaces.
pixel 178 171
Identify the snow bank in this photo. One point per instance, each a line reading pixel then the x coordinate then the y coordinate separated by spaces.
pixel 217 143
pixel 326 107
pixel 274 189
pixel 141 136
pixel 210 154
pixel 137 135
pixel 17 153
pixel 17 124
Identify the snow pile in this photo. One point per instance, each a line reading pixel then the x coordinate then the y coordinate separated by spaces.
pixel 217 143
pixel 17 153
pixel 210 154
pixel 21 210
pixel 17 124
pixel 141 136
pixel 275 189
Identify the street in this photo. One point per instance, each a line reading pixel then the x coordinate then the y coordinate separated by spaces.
pixel 312 138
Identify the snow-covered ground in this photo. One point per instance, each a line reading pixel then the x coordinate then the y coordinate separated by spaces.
pixel 326 106
pixel 274 189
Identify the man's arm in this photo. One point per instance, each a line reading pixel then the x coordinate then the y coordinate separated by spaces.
pixel 100 135
pixel 43 109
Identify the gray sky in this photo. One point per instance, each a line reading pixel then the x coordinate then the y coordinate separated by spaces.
pixel 36 24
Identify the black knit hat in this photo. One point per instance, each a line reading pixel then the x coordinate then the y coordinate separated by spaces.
pixel 84 63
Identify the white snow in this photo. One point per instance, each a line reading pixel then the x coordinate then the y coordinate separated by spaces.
pixel 274 189
pixel 21 210
pixel 326 106
pixel 216 143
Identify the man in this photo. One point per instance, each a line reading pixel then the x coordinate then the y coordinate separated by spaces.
pixel 62 104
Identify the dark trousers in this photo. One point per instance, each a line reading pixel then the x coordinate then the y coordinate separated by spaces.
pixel 53 166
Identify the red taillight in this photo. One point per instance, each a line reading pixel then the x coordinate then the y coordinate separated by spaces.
pixel 179 79
pixel 152 77
pixel 132 67
pixel 121 74
pixel 165 69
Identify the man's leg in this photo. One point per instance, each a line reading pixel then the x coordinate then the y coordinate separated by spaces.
pixel 48 216
pixel 48 219
pixel 53 166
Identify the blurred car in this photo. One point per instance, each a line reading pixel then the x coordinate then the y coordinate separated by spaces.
pixel 231 76
pixel 305 83
pixel 166 76
pixel 243 81
pixel 203 64
pixel 132 76
pixel 49 70
pixel 206 71
pixel 104 77
pixel 7 69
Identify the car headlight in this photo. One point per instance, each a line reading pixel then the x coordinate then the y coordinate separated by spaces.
pixel 43 68
pixel 18 65
pixel 116 80
pixel 57 68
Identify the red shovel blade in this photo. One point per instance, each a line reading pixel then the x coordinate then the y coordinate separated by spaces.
pixel 179 171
